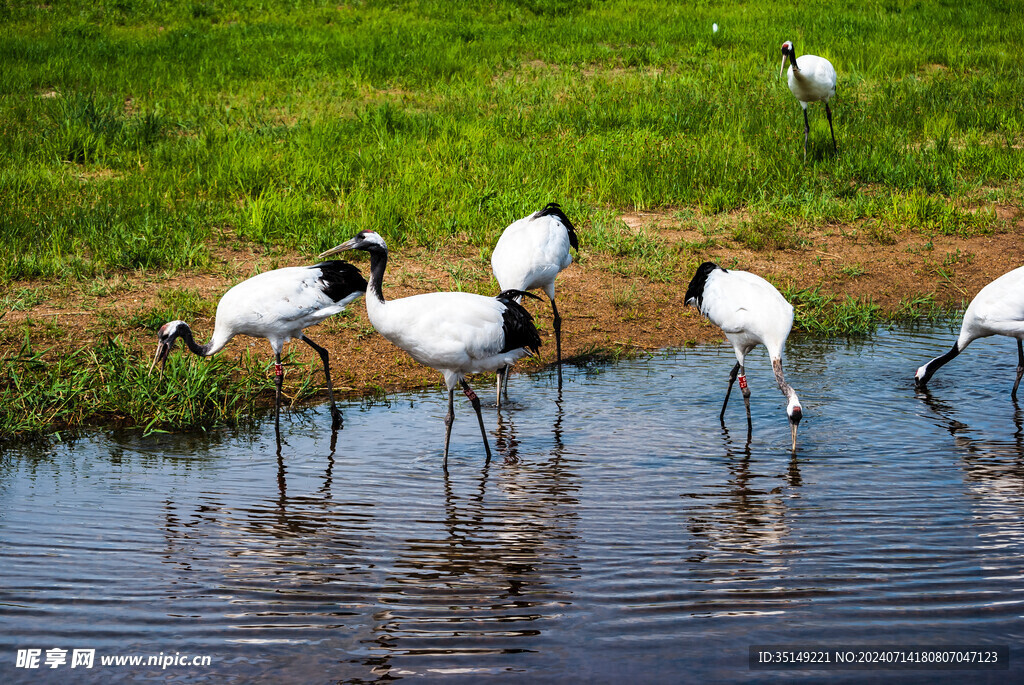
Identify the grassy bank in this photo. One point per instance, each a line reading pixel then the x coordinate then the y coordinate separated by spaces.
pixel 142 140
pixel 138 134
pixel 111 384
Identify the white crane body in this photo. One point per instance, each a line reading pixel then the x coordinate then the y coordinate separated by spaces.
pixel 456 333
pixel 997 309
pixel 529 255
pixel 811 79
pixel 277 305
pixel 750 311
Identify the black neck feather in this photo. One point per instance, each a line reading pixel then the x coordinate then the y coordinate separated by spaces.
pixel 185 333
pixel 378 265
pixel 791 53
pixel 937 363
pixel 695 292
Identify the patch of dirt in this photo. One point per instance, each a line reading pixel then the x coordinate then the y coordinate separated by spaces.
pixel 602 311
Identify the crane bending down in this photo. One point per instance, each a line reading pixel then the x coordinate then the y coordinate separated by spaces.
pixel 277 305
pixel 811 79
pixel 749 310
pixel 453 332
pixel 998 309
pixel 530 254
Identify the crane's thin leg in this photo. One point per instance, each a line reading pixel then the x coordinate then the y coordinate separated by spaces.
pixel 732 379
pixel 502 382
pixel 336 418
pixel 449 419
pixel 746 398
pixel 476 406
pixel 278 381
pixel 1020 368
pixel 828 113
pixel 807 132
pixel 558 340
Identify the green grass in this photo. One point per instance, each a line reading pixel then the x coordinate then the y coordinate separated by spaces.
pixel 134 130
pixel 138 136
pixel 111 384
pixel 824 314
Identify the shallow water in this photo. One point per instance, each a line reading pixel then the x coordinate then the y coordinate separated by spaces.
pixel 618 534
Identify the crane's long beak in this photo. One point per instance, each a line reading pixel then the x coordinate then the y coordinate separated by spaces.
pixel 792 430
pixel 162 351
pixel 347 245
pixel 782 69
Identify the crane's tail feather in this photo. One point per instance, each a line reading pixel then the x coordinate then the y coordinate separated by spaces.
pixel 517 323
pixel 555 210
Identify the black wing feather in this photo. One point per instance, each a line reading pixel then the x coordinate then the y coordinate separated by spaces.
pixel 340 279
pixel 517 323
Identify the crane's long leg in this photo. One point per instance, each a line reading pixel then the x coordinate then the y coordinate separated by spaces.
pixel 807 132
pixel 476 407
pixel 558 340
pixel 449 419
pixel 828 113
pixel 502 382
pixel 732 379
pixel 335 412
pixel 746 398
pixel 1020 368
pixel 278 381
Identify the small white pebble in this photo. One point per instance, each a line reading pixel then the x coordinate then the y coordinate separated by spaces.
pixel 714 28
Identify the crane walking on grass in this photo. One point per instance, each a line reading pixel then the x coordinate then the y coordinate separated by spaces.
pixel 811 79
pixel 453 332
pixel 750 311
pixel 997 310
pixel 530 254
pixel 277 305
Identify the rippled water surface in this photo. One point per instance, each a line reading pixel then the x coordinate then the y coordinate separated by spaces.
pixel 618 534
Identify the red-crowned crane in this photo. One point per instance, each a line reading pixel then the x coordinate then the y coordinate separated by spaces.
pixel 277 305
pixel 456 333
pixel 530 254
pixel 997 310
pixel 750 311
pixel 811 79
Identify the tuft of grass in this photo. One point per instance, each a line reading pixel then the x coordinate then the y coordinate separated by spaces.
pixel 109 384
pixel 632 252
pixel 624 298
pixel 767 233
pixel 23 299
pixel 823 314
pixel 175 303
pixel 920 308
pixel 827 315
